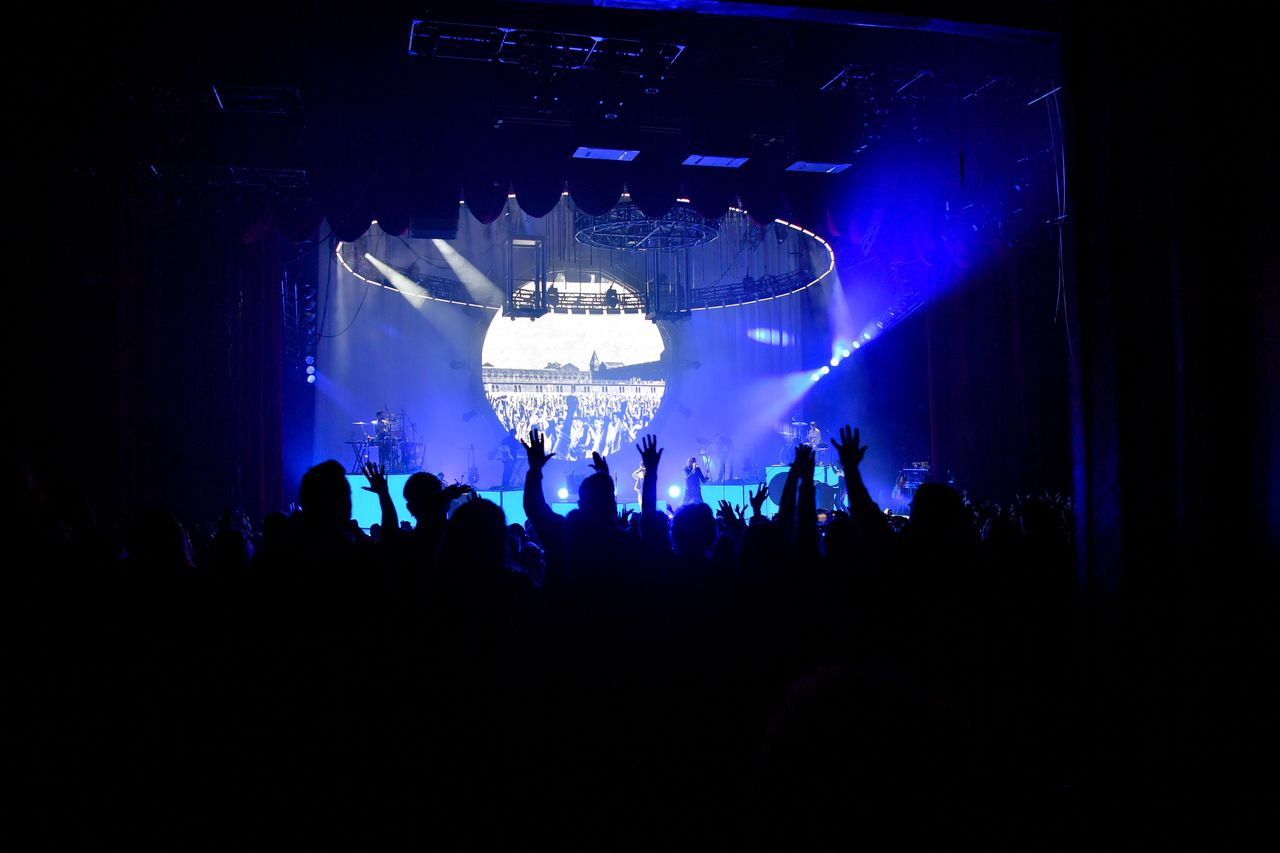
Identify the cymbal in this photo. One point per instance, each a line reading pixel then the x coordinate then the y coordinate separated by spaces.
pixel 799 423
pixel 362 423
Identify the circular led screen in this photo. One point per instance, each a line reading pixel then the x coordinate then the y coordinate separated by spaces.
pixel 589 382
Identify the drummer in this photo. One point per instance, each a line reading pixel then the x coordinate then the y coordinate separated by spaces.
pixel 814 437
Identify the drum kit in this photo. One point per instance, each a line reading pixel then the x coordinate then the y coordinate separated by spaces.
pixel 389 441
pixel 795 434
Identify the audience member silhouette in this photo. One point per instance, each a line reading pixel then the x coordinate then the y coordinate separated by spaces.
pixel 600 679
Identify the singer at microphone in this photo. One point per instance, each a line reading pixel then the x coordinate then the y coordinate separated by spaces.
pixel 693 480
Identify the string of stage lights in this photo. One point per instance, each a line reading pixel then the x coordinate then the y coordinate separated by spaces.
pixel 841 349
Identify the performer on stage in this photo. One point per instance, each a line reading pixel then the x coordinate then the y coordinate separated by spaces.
pixel 841 500
pixel 638 476
pixel 509 452
pixel 693 480
pixel 724 470
pixel 814 438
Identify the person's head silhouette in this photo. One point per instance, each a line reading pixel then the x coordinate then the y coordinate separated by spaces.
pixel 595 495
pixel 422 494
pixel 325 494
pixel 693 530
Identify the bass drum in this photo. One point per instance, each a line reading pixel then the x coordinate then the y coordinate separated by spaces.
pixel 787 454
pixel 410 457
pixel 776 485
pixel 824 494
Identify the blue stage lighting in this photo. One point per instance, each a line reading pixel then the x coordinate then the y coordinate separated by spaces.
pixel 835 360
pixel 311 378
pixel 825 370
pixel 866 336
pixel 773 337
pixel 857 344
pixel 844 353
pixel 674 491
pixel 828 168
pixel 563 494
pixel 815 377
pixel 710 160
pixel 311 368
pixel 311 359
pixel 585 153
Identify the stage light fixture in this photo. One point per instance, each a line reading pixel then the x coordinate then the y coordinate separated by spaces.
pixel 824 168
pixel 857 344
pixel 625 155
pixel 563 494
pixel 311 369
pixel 311 359
pixel 835 361
pixel 815 377
pixel 825 370
pixel 674 491
pixel 844 353
pixel 709 160
pixel 311 378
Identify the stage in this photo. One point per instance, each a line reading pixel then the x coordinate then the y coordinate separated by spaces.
pixel 366 512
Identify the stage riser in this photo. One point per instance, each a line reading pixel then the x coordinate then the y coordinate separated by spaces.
pixel 365 509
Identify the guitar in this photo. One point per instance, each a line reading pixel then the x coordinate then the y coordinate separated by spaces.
pixel 473 473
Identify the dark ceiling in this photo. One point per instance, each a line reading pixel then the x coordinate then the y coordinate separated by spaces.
pixel 327 111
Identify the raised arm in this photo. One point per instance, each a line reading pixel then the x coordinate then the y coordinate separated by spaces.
pixel 851 455
pixel 377 477
pixel 862 509
pixel 806 528
pixel 545 520
pixel 650 456
pixel 786 515
pixel 757 501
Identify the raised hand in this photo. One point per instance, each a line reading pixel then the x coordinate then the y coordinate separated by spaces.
pixel 598 464
pixel 650 455
pixel 453 491
pixel 757 499
pixel 804 460
pixel 377 477
pixel 536 450
pixel 725 511
pixel 847 447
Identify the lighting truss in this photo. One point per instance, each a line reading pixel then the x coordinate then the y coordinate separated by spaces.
pixel 539 48
pixel 627 229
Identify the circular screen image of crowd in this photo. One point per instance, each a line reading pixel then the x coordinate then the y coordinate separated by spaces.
pixel 588 382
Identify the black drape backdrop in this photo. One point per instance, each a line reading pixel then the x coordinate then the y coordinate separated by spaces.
pixel 1177 428
pixel 996 372
pixel 200 356
pixel 152 376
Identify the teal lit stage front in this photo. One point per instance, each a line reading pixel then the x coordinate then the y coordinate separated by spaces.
pixel 366 512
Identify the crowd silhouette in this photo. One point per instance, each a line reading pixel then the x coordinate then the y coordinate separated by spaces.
pixel 602 679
